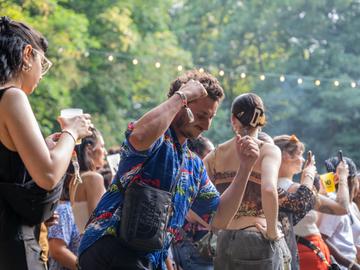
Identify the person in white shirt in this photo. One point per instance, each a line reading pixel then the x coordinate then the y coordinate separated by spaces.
pixel 336 230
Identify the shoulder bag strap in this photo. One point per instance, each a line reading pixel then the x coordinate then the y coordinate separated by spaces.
pixel 172 187
pixel 314 248
pixel 178 176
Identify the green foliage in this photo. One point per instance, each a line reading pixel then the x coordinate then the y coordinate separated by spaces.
pixel 308 39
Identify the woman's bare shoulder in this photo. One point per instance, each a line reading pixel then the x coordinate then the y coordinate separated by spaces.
pixel 91 176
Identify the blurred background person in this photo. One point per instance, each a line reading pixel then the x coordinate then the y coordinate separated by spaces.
pixel 24 154
pixel 303 196
pixel 184 248
pixel 337 230
pixel 201 146
pixel 292 150
pixel 64 237
pixel 91 155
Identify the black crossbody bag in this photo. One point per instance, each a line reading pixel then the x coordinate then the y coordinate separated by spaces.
pixel 31 203
pixel 145 214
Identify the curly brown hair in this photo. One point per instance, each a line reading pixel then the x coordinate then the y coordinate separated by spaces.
pixel 210 83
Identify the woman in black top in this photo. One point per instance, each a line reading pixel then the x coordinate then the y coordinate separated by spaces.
pixel 24 154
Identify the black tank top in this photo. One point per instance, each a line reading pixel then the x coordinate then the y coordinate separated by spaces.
pixel 12 168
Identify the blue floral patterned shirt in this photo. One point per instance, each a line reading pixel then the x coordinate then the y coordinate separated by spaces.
pixel 65 230
pixel 194 189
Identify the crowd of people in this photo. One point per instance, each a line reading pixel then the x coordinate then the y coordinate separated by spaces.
pixel 176 201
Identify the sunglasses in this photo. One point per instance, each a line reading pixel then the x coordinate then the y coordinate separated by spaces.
pixel 45 63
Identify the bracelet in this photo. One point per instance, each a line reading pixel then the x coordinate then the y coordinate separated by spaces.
pixel 342 183
pixel 310 176
pixel 68 132
pixel 183 97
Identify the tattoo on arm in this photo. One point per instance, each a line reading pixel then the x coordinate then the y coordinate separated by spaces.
pixel 326 209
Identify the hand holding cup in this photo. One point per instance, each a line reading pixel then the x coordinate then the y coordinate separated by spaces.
pixel 77 123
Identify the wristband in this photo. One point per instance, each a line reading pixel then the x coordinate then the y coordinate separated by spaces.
pixel 310 176
pixel 187 109
pixel 183 97
pixel 68 132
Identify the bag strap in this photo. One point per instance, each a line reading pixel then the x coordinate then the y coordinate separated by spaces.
pixel 172 186
pixel 178 176
pixel 314 248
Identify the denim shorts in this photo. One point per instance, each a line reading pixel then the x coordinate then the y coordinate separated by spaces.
pixel 249 250
pixel 186 255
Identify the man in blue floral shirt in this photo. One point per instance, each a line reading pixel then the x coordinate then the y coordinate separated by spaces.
pixel 159 138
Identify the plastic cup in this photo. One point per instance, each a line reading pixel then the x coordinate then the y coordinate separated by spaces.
pixel 71 112
pixel 327 180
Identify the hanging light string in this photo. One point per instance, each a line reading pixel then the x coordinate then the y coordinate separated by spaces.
pixel 300 80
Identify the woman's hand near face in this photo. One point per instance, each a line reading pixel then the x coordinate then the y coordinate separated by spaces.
pixel 308 174
pixel 342 170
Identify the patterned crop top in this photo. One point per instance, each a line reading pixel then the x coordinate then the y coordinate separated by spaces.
pixel 251 204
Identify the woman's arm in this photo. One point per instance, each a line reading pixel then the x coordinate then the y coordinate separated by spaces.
pixel 248 152
pixel 269 197
pixel 94 188
pixel 338 256
pixel 45 166
pixel 341 205
pixel 60 253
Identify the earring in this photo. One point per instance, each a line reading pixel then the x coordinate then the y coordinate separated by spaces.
pixel 27 68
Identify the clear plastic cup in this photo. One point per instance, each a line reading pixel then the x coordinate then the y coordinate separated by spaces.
pixel 71 112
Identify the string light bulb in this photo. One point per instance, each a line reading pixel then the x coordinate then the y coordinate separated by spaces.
pixel 243 75
pixel 262 77
pixel 336 83
pixel 135 61
pixel 179 68
pixel 317 82
pixel 300 81
pixel 353 84
pixel 111 58
pixel 201 70
pixel 221 73
pixel 157 65
pixel 282 78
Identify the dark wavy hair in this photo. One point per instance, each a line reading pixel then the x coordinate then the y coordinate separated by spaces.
pixel 200 146
pixel 85 161
pixel 14 36
pixel 249 109
pixel 210 83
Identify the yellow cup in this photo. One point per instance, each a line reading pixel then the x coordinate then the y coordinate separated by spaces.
pixel 327 180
